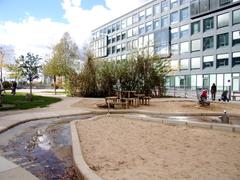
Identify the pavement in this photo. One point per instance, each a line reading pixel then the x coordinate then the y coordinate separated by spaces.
pixel 9 119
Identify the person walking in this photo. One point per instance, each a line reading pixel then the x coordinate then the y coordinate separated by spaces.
pixel 14 87
pixel 213 91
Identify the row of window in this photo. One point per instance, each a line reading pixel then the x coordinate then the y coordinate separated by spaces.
pixel 146 14
pixel 203 6
pixel 222 20
pixel 207 61
pixel 184 30
pixel 205 80
pixel 207 43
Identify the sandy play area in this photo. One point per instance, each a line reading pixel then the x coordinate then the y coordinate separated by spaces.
pixel 120 148
pixel 166 105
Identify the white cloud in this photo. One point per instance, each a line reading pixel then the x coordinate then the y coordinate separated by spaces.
pixel 36 35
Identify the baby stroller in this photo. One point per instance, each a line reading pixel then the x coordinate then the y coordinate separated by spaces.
pixel 224 96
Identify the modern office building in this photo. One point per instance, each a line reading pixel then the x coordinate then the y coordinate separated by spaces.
pixel 201 38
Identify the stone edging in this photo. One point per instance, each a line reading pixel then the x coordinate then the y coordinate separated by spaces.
pixel 81 167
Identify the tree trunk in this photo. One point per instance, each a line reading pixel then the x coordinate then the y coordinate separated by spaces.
pixel 31 88
pixel 54 82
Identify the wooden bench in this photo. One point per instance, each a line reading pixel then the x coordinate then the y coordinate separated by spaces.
pixel 120 104
pixel 235 95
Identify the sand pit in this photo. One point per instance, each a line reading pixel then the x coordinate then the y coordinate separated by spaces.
pixel 120 148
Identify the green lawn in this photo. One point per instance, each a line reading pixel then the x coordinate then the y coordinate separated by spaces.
pixel 20 103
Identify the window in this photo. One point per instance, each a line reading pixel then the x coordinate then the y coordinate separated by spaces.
pixel 174 65
pixel 208 42
pixel 184 64
pixel 113 27
pixel 124 23
pixel 208 61
pixel 223 20
pixel 194 7
pixel 129 33
pixel 174 3
pixel 195 45
pixel 174 17
pixel 164 5
pixel 123 47
pixel 164 21
pixel 174 49
pixel 236 38
pixel 109 40
pixel 151 39
pixel 140 42
pixel 118 37
pixel 183 1
pixel 141 15
pixel 135 31
pixel 184 31
pixel 156 24
pixel 145 41
pixel 113 39
pixel 184 47
pixel 219 81
pixel 224 2
pixel 118 25
pixel 184 14
pixel 208 24
pixel 113 49
pixel 174 34
pixel 204 5
pixel 236 16
pixel 118 48
pixel 195 27
pixel 141 29
pixel 222 60
pixel 148 12
pixel 148 26
pixel 135 44
pixel 124 35
pixel 135 18
pixel 222 40
pixel 236 59
pixel 129 45
pixel 195 63
pixel 156 9
pixel 129 21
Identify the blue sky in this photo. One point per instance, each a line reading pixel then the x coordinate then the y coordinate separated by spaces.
pixel 17 10
pixel 36 25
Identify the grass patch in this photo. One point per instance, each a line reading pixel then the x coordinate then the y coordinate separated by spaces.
pixel 20 102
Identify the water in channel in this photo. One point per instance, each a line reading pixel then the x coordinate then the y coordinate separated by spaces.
pixel 42 147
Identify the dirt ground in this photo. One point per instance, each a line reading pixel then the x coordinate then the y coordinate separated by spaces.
pixel 168 105
pixel 120 148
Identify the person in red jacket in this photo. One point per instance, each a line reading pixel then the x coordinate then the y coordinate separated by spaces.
pixel 204 94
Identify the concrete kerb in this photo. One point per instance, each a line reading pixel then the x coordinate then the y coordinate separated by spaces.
pixel 81 167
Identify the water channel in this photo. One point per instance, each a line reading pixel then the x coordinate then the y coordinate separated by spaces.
pixel 43 147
